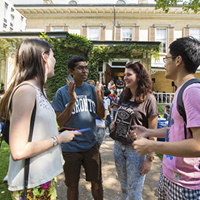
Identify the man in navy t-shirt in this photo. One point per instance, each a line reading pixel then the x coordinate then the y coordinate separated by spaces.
pixel 119 85
pixel 76 105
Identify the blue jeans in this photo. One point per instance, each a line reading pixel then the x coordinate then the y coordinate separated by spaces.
pixel 100 134
pixel 128 164
pixel 108 121
pixel 114 113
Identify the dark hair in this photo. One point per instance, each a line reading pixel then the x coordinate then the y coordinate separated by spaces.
pixel 115 91
pixel 28 64
pixel 144 82
pixel 189 49
pixel 73 60
pixel 107 93
pixel 167 106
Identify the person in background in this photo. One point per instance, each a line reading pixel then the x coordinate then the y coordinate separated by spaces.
pixel 180 175
pixel 167 112
pixel 115 104
pixel 100 126
pixel 108 101
pixel 100 123
pixel 137 105
pixel 111 86
pixel 119 85
pixel 44 150
pixel 76 106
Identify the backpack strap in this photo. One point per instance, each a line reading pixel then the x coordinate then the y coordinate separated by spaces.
pixel 180 105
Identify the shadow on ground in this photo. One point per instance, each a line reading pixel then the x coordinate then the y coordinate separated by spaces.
pixel 111 185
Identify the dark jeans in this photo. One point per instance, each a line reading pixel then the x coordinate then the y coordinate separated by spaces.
pixel 114 113
pixel 108 121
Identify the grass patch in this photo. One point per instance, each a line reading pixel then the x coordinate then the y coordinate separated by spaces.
pixel 4 160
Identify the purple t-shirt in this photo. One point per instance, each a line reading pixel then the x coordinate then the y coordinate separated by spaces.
pixel 183 171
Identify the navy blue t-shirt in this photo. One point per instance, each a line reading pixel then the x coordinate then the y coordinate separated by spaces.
pixel 83 116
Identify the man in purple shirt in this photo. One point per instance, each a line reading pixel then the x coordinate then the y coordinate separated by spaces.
pixel 180 176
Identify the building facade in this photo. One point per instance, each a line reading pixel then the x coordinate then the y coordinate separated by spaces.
pixel 120 20
pixel 10 18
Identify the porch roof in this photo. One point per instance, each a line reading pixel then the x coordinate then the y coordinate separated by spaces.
pixel 52 34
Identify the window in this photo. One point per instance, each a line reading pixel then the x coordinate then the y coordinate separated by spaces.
pixel 5 12
pixel 100 66
pixel 11 29
pixel 4 26
pixel 127 34
pixel 57 29
pixel 75 31
pixel 195 33
pixel 93 33
pixel 161 36
pixel 21 24
pixel 12 9
pixel 11 20
pixel 72 2
pixel 121 2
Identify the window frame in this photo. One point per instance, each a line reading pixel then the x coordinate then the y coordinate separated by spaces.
pixel 195 29
pixel 131 38
pixel 56 29
pixel 163 49
pixel 88 33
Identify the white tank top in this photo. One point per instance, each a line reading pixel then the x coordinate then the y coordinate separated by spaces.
pixel 47 165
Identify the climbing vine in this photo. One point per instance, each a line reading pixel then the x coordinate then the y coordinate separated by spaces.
pixel 64 48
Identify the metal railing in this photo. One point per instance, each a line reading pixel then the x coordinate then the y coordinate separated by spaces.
pixel 165 98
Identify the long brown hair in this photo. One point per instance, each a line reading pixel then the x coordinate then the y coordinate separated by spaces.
pixel 28 65
pixel 144 83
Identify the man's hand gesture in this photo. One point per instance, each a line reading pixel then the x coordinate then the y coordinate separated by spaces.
pixel 98 84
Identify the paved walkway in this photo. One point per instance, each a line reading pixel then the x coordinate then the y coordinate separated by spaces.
pixel 111 185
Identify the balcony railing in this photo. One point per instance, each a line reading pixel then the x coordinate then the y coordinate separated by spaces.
pixel 165 98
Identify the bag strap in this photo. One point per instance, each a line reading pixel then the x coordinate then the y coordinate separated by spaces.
pixel 32 122
pixel 9 107
pixel 27 161
pixel 180 105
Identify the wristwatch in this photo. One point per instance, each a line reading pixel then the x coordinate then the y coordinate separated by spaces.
pixel 151 158
pixel 55 142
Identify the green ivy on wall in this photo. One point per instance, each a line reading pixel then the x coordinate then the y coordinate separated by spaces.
pixel 64 48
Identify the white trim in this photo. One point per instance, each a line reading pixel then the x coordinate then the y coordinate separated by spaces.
pixel 118 60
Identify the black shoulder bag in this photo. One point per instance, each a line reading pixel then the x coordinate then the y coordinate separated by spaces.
pixel 6 129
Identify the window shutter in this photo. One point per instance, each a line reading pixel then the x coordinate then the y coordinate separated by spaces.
pixel 170 35
pixel 118 33
pixel 136 33
pixel 84 31
pixel 48 28
pixel 186 31
pixel 102 33
pixel 66 28
pixel 152 33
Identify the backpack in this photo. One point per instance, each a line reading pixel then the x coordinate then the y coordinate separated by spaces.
pixel 180 105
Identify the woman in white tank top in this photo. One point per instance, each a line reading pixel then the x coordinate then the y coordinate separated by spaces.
pixel 34 64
